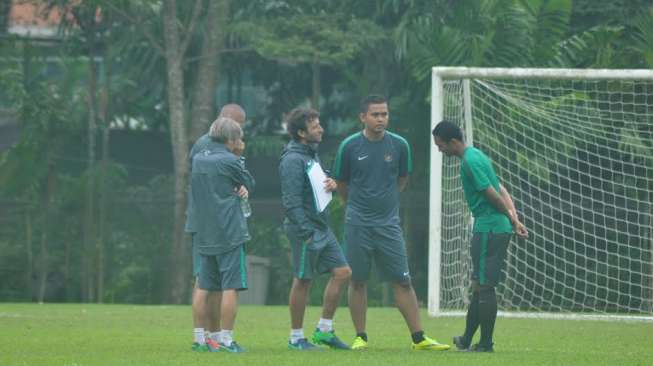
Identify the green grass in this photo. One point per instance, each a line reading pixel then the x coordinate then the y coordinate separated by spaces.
pixel 78 334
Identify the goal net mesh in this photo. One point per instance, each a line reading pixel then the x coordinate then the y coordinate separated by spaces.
pixel 577 158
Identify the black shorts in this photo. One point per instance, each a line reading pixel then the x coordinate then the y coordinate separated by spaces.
pixel 489 251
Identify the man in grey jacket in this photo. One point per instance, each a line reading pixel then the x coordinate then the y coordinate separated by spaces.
pixel 314 246
pixel 219 181
pixel 209 321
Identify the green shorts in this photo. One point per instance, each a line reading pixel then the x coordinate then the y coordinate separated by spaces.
pixel 489 251
pixel 227 271
pixel 383 244
pixel 320 256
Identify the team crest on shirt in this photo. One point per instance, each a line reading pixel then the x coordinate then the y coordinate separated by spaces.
pixel 387 157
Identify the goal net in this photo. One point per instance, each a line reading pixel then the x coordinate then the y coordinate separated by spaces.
pixel 575 150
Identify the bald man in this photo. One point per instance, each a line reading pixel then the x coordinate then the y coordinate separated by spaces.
pixel 208 321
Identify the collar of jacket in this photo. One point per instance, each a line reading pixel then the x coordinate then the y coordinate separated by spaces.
pixel 307 149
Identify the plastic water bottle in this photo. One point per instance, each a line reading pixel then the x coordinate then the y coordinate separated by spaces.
pixel 245 207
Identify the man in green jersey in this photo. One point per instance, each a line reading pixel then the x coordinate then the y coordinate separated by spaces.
pixel 495 220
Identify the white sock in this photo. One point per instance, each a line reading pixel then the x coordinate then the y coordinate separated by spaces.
pixel 296 334
pixel 226 337
pixel 325 325
pixel 215 336
pixel 198 334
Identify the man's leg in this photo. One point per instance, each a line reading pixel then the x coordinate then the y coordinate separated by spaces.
pixel 228 308
pixel 214 300
pixel 199 309
pixel 233 278
pixel 392 261
pixel 205 283
pixel 324 333
pixel 358 304
pixel 487 314
pixel 297 302
pixel 406 301
pixel 339 276
pixel 199 306
pixel 471 320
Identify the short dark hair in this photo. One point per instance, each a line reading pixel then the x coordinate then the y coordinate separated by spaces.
pixel 371 99
pixel 447 131
pixel 297 120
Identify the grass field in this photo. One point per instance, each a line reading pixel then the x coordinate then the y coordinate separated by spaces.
pixel 77 334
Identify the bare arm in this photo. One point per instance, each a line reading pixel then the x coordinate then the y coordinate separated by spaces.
pixel 504 204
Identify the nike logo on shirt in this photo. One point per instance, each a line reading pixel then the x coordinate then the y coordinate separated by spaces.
pixel 362 157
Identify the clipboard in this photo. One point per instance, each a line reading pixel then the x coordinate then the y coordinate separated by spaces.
pixel 317 177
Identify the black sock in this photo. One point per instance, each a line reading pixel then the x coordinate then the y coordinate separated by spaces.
pixel 418 336
pixel 487 311
pixel 472 322
pixel 362 335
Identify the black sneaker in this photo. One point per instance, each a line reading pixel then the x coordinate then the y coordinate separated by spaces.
pixel 460 343
pixel 482 348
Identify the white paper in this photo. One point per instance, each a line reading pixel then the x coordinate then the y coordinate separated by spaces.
pixel 317 177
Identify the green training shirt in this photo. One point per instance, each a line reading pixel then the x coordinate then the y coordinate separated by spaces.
pixel 477 174
pixel 371 170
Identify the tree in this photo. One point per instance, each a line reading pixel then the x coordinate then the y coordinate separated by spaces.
pixel 307 33
pixel 172 38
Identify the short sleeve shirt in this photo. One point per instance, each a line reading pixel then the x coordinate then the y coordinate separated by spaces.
pixel 477 174
pixel 371 170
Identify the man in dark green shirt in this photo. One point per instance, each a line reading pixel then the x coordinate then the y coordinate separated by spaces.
pixel 372 166
pixel 495 220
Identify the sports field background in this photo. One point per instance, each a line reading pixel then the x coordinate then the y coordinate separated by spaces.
pixel 79 334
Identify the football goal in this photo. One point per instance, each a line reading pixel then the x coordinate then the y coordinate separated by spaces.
pixel 574 147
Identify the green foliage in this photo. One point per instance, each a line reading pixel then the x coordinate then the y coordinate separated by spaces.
pixel 264 145
pixel 309 38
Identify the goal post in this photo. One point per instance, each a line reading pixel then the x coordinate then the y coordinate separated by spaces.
pixel 575 149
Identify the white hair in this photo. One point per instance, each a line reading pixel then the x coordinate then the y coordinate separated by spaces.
pixel 225 129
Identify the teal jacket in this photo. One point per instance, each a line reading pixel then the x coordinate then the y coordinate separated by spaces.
pixel 219 221
pixel 297 197
pixel 201 144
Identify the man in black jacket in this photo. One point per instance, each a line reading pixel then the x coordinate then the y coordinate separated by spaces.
pixel 314 246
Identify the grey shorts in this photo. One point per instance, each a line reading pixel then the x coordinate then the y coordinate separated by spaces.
pixel 383 244
pixel 489 251
pixel 320 256
pixel 227 271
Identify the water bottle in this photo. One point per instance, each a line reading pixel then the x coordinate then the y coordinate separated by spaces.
pixel 245 207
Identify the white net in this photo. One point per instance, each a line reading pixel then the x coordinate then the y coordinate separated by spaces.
pixel 577 158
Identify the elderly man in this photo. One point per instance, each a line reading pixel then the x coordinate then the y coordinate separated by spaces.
pixel 219 181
